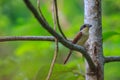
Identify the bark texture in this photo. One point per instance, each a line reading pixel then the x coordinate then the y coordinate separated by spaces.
pixel 92 12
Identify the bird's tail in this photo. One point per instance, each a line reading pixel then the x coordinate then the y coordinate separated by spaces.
pixel 69 54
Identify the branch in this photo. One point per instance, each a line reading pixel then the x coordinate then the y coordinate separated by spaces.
pixel 53 61
pixel 41 14
pixel 112 59
pixel 59 37
pixel 56 48
pixel 26 38
pixel 57 18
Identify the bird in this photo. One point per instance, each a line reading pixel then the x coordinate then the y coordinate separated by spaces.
pixel 80 39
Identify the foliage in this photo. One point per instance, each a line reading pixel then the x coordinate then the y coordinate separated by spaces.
pixel 59 72
pixel 30 60
pixel 107 35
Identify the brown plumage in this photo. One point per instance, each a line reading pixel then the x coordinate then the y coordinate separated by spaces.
pixel 80 38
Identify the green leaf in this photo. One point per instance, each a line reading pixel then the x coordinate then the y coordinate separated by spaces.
pixel 109 34
pixel 59 72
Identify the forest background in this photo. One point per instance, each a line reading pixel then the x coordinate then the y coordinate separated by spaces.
pixel 26 60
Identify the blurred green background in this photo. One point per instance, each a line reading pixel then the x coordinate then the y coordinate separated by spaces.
pixel 29 60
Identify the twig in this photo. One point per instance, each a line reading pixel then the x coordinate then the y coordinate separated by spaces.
pixel 112 59
pixel 63 41
pixel 53 61
pixel 38 6
pixel 56 48
pixel 26 38
pixel 57 19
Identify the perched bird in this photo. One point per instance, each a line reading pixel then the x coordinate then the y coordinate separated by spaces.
pixel 80 38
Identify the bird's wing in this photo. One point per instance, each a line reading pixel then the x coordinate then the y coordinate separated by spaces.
pixel 77 37
pixel 75 40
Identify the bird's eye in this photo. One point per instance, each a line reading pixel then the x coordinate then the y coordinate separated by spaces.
pixel 82 27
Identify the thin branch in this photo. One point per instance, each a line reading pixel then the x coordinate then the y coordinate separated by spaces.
pixel 39 9
pixel 63 41
pixel 53 61
pixel 112 59
pixel 56 48
pixel 26 38
pixel 57 19
pixel 56 14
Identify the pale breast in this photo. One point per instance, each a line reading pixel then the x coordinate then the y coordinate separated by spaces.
pixel 83 39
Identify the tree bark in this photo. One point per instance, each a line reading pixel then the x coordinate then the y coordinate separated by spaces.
pixel 92 12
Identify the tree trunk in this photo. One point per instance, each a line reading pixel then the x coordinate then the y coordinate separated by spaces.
pixel 92 12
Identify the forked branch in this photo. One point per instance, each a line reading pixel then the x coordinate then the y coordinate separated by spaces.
pixel 56 46
pixel 59 37
pixel 57 18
